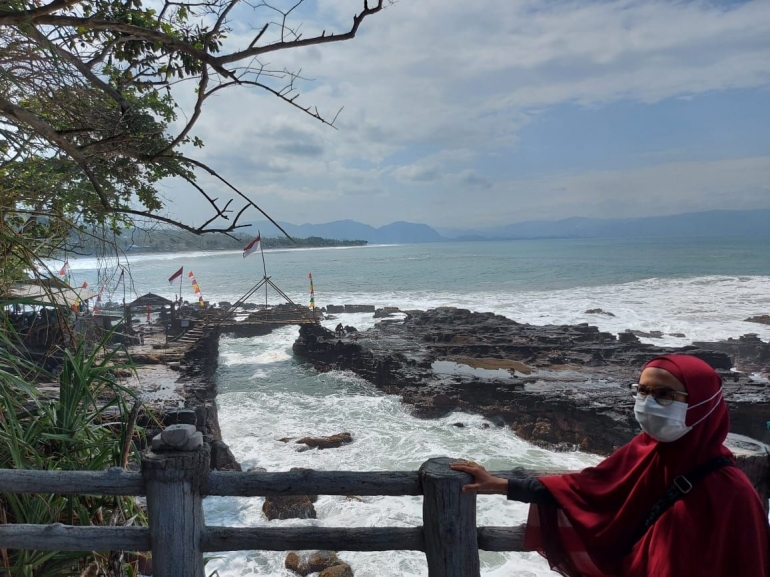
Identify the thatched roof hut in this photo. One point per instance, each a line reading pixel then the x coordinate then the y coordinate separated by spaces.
pixel 151 300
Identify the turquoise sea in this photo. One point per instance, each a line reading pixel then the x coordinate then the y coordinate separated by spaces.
pixel 703 289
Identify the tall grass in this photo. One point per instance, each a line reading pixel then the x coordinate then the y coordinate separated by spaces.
pixel 85 427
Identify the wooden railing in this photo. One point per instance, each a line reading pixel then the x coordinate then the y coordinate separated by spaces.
pixel 175 483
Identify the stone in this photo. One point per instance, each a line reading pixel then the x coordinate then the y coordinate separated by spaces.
pixel 308 562
pixel 157 443
pixel 291 507
pixel 222 458
pixel 342 570
pixel 386 312
pixel 330 442
pixel 358 309
pixel 194 442
pixel 180 417
pixel 628 337
pixel 761 319
pixel 599 312
pixel 176 436
pixel 648 335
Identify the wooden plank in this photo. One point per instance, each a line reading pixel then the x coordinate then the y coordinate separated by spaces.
pixel 519 473
pixel 58 537
pixel 449 521
pixel 501 538
pixel 114 481
pixel 310 482
pixel 302 538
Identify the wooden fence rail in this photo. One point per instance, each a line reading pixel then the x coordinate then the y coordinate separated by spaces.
pixel 175 483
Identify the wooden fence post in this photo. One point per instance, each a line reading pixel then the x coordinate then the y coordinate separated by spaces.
pixel 173 481
pixel 449 521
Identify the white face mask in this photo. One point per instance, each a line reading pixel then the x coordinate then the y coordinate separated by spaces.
pixel 667 423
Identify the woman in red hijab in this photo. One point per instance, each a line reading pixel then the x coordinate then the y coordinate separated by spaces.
pixel 600 522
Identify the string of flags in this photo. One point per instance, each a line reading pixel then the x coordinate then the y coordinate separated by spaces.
pixel 64 271
pixel 312 292
pixel 196 288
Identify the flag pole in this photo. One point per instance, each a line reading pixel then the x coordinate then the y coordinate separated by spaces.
pixel 264 266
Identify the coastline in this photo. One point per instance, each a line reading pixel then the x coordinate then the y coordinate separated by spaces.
pixel 559 387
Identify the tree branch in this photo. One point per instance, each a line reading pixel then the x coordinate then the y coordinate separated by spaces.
pixel 315 40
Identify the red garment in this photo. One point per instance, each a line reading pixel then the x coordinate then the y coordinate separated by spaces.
pixel 720 529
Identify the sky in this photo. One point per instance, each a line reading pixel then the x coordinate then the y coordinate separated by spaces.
pixel 476 113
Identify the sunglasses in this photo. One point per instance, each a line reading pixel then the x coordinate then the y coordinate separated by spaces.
pixel 661 395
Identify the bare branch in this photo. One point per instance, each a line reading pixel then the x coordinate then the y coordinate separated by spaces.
pixel 219 177
pixel 315 40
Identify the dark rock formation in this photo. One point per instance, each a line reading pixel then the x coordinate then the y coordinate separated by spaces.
pixel 222 458
pixel 386 312
pixel 761 319
pixel 558 385
pixel 748 352
pixel 307 562
pixel 647 335
pixel 330 442
pixel 599 312
pixel 341 570
pixel 292 507
pixel 337 309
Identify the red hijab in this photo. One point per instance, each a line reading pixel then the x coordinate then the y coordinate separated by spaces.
pixel 720 529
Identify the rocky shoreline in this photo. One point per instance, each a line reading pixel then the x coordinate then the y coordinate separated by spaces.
pixel 179 387
pixel 563 387
pixel 560 386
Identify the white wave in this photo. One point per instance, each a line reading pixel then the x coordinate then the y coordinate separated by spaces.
pixel 701 308
pixel 386 437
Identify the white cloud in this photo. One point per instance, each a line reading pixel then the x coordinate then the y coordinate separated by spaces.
pixel 662 189
pixel 431 86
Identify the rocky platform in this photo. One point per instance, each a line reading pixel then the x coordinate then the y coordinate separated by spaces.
pixel 177 385
pixel 559 386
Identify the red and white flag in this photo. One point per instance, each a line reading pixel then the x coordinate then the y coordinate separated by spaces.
pixel 253 246
pixel 85 285
pixel 63 269
pixel 176 275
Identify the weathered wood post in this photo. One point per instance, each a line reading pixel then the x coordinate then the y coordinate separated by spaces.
pixel 756 465
pixel 174 472
pixel 449 521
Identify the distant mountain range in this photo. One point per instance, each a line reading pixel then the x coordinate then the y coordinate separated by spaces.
pixel 394 233
pixel 717 223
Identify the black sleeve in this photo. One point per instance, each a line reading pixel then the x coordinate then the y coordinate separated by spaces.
pixel 530 490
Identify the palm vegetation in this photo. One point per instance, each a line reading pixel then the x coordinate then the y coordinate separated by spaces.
pixel 87 425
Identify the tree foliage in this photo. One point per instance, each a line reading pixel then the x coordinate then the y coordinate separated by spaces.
pixel 89 116
pixel 89 426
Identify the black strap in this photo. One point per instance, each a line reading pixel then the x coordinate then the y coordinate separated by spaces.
pixel 681 486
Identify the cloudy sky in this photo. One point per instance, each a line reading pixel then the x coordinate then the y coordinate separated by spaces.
pixel 473 113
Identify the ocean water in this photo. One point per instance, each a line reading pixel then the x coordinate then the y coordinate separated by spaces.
pixel 703 289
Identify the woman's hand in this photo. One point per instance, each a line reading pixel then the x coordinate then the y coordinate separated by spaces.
pixel 484 481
